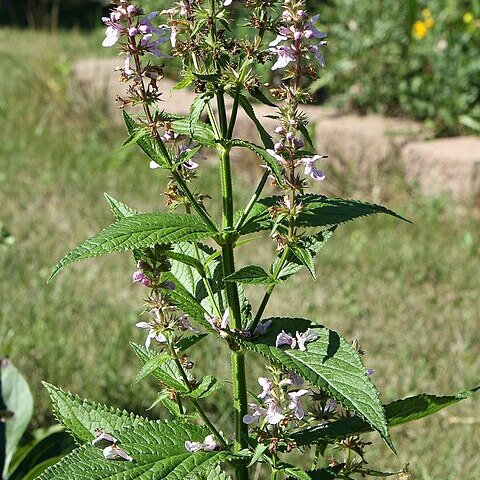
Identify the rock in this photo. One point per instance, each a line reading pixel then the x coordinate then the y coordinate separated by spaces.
pixel 446 165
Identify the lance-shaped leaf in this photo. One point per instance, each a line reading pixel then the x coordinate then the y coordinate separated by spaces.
pixel 193 290
pixel 208 386
pixel 271 162
pixel 251 274
pixel 313 243
pixel 196 110
pixel 137 232
pixel 247 107
pixel 82 417
pixel 157 450
pixel 330 363
pixel 144 140
pixel 202 133
pixel 318 211
pixel 397 413
pixel 119 209
pixel 165 371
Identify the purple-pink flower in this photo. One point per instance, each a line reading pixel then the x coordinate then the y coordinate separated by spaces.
pixel 209 444
pixel 285 56
pixel 295 404
pixel 310 168
pixel 152 333
pixel 284 338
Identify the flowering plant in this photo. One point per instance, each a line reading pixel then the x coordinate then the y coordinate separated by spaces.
pixel 317 392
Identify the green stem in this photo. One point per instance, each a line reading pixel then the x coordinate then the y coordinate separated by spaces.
pixel 191 198
pixel 238 358
pixel 195 403
pixel 253 200
pixel 233 116
pixel 316 457
pixel 269 291
pixel 222 114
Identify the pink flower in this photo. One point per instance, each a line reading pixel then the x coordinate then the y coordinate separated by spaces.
pixel 303 338
pixel 257 413
pixel 113 32
pixel 152 333
pixel 114 453
pixel 208 445
pixel 285 56
pixel 295 405
pixel 140 277
pixel 310 31
pixel 267 386
pixel 284 338
pixel 274 412
pixel 261 328
pixel 310 168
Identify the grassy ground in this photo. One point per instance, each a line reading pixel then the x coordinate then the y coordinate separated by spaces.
pixel 409 294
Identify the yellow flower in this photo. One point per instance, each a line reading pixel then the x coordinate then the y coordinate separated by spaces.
pixel 468 18
pixel 429 23
pixel 419 30
pixel 426 13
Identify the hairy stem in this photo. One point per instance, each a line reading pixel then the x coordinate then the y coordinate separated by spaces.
pixel 195 402
pixel 253 200
pixel 228 260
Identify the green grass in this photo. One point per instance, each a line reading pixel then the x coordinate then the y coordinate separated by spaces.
pixel 407 293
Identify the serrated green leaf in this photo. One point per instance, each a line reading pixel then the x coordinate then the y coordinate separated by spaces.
pixel 327 473
pixel 305 258
pixel 252 274
pixel 261 97
pixel 247 107
pixel 396 413
pixel 318 211
pixel 150 366
pixel 158 452
pixel 215 474
pixel 167 372
pixel 196 110
pixel 294 472
pixel 203 133
pixel 119 209
pixel 314 243
pixel 186 342
pixel 264 155
pixel 82 417
pixel 187 260
pixel 146 142
pixel 137 232
pixel 208 386
pixel 187 80
pixel 329 363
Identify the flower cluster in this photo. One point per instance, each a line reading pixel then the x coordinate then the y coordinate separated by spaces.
pixel 297 341
pixel 111 451
pixel 421 28
pixel 163 320
pixel 124 21
pixel 297 37
pixel 285 152
pixel 279 405
pixel 209 444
